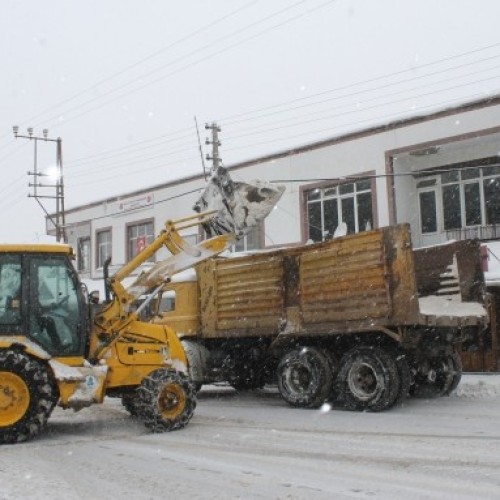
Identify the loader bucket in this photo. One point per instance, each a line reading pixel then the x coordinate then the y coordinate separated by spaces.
pixel 240 206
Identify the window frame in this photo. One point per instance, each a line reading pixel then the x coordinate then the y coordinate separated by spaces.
pixel 242 244
pixel 81 242
pixel 325 185
pixel 151 237
pixel 98 233
pixel 436 174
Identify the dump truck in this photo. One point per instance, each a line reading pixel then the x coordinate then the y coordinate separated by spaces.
pixel 363 319
pixel 58 346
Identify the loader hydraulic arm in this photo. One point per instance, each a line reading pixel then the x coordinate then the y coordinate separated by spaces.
pixel 227 210
pixel 183 256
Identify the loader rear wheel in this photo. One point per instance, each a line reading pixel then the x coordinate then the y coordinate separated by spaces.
pixel 165 401
pixel 27 397
pixel 368 379
pixel 305 377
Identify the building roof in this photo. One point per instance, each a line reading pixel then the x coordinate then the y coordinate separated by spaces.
pixel 372 130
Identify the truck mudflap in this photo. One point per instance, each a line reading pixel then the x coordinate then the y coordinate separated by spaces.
pixel 79 386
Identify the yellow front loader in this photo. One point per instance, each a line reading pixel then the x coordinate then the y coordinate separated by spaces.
pixel 56 347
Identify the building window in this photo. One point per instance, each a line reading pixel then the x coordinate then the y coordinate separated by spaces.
pixel 428 220
pixel 83 254
pixel 459 198
pixel 103 246
pixel 251 241
pixel 191 239
pixel 139 236
pixel 328 207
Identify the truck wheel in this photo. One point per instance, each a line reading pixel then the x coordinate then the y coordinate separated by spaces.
pixel 405 378
pixel 165 400
pixel 368 379
pixel 442 377
pixel 456 363
pixel 27 396
pixel 305 377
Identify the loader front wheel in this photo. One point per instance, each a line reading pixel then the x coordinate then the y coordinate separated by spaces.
pixel 165 401
pixel 27 397
pixel 305 377
pixel 129 402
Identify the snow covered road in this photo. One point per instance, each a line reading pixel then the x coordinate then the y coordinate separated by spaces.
pixel 256 446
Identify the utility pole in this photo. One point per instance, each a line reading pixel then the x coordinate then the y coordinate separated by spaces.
pixel 215 158
pixel 37 185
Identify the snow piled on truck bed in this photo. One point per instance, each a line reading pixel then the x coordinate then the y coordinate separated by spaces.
pixel 434 305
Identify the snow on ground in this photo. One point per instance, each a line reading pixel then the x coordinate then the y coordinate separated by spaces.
pixel 255 446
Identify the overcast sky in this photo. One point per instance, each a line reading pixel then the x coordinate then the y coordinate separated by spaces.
pixel 120 81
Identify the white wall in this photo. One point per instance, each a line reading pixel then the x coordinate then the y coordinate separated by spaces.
pixel 350 157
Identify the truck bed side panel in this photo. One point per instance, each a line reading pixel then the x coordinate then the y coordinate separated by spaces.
pixel 359 281
pixel 242 296
pixel 353 283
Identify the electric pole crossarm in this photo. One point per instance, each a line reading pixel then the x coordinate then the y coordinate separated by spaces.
pixel 59 223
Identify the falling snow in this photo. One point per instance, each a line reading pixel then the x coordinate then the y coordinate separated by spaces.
pixel 255 446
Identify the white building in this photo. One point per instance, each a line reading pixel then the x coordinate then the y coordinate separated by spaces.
pixel 439 172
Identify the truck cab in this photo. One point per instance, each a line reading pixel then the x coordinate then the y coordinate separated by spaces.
pixel 178 305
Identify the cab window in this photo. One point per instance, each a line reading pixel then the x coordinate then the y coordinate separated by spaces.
pixel 10 290
pixel 55 319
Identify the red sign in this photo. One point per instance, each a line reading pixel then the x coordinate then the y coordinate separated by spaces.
pixel 141 243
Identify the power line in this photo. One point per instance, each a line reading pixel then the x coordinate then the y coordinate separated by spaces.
pixel 390 84
pixel 288 138
pixel 123 151
pixel 428 171
pixel 141 61
pixel 130 174
pixel 126 149
pixel 157 202
pixel 302 122
pixel 119 164
pixel 181 58
pixel 363 82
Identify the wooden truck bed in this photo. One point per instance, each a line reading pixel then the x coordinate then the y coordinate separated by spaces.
pixel 354 283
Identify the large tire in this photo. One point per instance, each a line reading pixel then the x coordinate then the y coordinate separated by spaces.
pixel 447 373
pixel 165 400
pixel 129 402
pixel 368 379
pixel 456 362
pixel 405 378
pixel 305 377
pixel 27 396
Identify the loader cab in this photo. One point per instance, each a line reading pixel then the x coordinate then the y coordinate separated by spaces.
pixel 42 299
